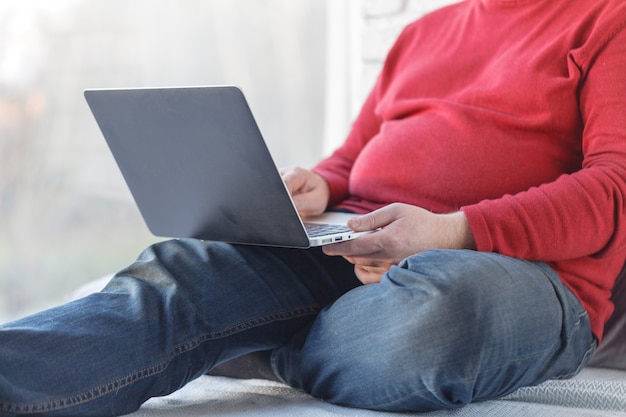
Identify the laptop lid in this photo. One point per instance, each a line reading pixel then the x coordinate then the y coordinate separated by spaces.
pixel 197 165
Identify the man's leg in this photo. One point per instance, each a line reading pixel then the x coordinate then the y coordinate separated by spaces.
pixel 443 329
pixel 183 307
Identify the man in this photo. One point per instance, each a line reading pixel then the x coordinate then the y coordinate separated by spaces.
pixel 492 156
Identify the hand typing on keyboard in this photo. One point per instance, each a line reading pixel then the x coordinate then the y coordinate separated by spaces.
pixel 309 191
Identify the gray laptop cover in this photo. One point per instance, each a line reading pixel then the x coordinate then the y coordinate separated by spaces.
pixel 197 165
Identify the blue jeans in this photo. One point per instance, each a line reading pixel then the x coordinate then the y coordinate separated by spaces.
pixel 442 329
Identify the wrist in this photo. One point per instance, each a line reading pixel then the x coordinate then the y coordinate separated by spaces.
pixel 460 233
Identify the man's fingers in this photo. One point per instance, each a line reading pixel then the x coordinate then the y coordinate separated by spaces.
pixel 303 204
pixel 292 180
pixel 369 275
pixel 377 219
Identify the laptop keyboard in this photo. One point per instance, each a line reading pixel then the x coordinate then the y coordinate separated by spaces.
pixel 321 229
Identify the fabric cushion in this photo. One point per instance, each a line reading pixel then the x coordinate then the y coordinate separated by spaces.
pixel 612 351
pixel 254 365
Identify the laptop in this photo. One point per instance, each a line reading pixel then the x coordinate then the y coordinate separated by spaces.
pixel 198 167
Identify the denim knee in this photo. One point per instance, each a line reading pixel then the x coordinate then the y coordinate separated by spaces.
pixel 384 346
pixel 442 329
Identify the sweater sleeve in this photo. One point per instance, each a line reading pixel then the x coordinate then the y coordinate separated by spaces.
pixel 582 213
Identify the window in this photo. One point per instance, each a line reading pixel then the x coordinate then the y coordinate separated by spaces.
pixel 66 216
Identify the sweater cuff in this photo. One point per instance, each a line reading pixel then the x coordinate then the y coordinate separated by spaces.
pixel 479 227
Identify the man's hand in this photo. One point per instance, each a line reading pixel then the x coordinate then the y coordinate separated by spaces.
pixel 309 191
pixel 405 230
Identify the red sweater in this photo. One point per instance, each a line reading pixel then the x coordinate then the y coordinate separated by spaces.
pixel 513 111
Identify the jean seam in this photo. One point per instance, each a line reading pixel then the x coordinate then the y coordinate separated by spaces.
pixel 177 350
pixel 585 359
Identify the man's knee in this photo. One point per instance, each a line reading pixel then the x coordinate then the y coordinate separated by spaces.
pixel 420 339
pixel 386 346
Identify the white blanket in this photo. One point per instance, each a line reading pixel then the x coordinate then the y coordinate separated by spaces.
pixel 595 392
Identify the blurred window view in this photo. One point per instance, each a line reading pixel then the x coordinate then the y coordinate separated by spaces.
pixel 66 216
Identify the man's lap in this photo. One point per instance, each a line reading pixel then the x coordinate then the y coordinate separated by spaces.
pixel 442 329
